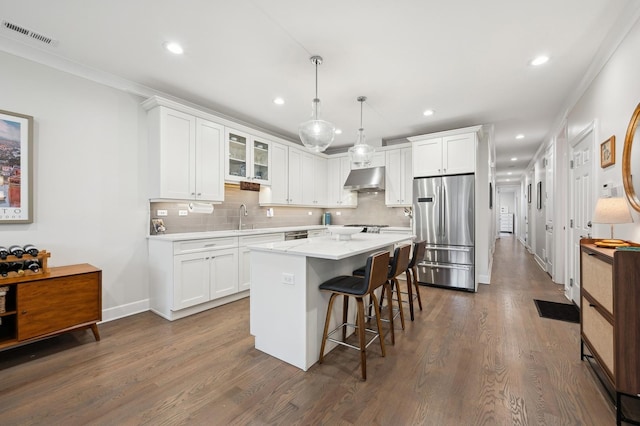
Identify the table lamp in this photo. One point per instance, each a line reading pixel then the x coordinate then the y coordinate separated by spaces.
pixel 612 210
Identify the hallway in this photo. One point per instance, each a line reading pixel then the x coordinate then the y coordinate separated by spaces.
pixel 468 359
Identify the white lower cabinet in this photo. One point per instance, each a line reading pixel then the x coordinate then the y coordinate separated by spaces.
pixel 187 277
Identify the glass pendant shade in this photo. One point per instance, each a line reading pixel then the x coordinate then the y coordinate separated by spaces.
pixel 361 153
pixel 316 134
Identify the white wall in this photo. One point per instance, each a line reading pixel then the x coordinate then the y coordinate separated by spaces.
pixel 611 99
pixel 89 177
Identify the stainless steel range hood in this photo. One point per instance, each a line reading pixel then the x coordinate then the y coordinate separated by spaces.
pixel 365 180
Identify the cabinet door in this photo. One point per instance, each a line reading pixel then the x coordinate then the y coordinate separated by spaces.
pixel 427 157
pixel 177 154
pixel 209 172
pixel 261 161
pixel 308 179
pixel 278 191
pixel 223 267
pixel 348 198
pixel 244 269
pixel 237 155
pixel 459 154
pixel 191 280
pixel 393 178
pixel 58 303
pixel 407 176
pixel 320 181
pixel 378 160
pixel 295 176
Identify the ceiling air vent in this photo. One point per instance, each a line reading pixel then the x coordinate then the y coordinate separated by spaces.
pixel 28 33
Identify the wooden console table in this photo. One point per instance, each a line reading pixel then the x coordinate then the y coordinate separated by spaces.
pixel 38 306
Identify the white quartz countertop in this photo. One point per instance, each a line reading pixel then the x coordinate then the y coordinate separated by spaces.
pixel 328 247
pixel 230 233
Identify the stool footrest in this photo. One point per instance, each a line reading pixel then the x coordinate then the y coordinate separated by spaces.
pixel 340 342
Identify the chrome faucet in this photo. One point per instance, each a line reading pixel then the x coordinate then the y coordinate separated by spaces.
pixel 243 212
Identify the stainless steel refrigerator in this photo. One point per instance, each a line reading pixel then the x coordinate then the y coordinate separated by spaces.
pixel 444 216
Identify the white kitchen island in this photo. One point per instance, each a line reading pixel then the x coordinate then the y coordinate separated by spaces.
pixel 287 308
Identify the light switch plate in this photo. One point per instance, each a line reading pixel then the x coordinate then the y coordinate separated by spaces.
pixel 161 212
pixel 182 212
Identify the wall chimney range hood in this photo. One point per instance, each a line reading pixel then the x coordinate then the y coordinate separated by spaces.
pixel 365 180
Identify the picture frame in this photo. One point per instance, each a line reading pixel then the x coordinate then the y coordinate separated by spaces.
pixel 539 196
pixel 529 193
pixel 490 195
pixel 608 152
pixel 158 226
pixel 16 172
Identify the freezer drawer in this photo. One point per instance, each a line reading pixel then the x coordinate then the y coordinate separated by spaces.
pixel 447 275
pixel 449 254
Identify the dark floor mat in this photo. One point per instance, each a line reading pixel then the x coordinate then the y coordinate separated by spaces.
pixel 558 311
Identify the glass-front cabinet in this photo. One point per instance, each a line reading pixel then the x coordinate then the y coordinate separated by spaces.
pixel 248 158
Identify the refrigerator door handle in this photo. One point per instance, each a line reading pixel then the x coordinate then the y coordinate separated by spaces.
pixel 465 249
pixel 444 266
pixel 444 211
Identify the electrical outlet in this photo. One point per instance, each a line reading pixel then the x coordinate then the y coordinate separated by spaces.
pixel 270 212
pixel 287 279
pixel 162 212
pixel 182 212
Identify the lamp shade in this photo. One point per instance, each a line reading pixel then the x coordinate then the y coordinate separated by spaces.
pixel 612 210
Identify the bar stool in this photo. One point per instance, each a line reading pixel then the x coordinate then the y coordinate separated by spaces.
pixel 396 267
pixel 357 287
pixel 412 275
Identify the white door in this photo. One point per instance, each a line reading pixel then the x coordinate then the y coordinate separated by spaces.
pixel 427 157
pixel 209 165
pixel 223 266
pixel 548 199
pixel 459 154
pixel 581 208
pixel 191 280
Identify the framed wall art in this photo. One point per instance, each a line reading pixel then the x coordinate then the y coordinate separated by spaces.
pixel 529 193
pixel 539 196
pixel 16 146
pixel 608 152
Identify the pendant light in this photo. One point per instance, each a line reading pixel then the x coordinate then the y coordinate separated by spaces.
pixel 316 134
pixel 361 154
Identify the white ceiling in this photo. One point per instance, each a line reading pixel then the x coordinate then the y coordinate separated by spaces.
pixel 466 59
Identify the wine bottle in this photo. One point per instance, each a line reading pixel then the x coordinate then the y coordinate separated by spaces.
pixel 17 267
pixel 4 252
pixel 31 249
pixel 33 265
pixel 16 251
pixel 4 269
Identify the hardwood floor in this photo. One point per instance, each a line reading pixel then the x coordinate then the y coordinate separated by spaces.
pixel 468 359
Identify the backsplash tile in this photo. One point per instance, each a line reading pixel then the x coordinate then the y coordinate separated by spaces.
pixel 371 209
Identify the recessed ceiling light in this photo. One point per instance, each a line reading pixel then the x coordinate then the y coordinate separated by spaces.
pixel 509 173
pixel 174 48
pixel 428 113
pixel 520 136
pixel 278 101
pixel 514 158
pixel 540 60
pixel 508 180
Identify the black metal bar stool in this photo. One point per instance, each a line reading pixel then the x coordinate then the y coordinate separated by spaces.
pixel 358 287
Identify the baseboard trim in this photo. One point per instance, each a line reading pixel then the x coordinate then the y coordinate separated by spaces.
pixel 126 310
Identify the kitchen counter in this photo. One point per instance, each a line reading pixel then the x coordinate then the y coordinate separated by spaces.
pixel 230 233
pixel 287 310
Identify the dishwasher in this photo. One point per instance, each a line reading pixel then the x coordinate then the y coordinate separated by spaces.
pixel 295 235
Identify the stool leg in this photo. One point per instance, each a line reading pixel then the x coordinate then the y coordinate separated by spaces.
pixel 345 311
pixel 414 272
pixel 326 327
pixel 397 284
pixel 378 322
pixel 409 292
pixel 363 345
pixel 390 305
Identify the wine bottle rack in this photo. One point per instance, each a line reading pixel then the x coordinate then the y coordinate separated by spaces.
pixel 13 276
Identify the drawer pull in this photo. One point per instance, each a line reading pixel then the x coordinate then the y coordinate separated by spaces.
pixel 210 245
pixel 592 305
pixel 591 254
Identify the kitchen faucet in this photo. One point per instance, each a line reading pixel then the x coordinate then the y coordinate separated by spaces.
pixel 242 206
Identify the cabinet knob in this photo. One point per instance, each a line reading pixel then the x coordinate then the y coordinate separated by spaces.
pixel 199 194
pixel 24 312
pixel 193 193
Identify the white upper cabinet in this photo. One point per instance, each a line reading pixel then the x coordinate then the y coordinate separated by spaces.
pixel 377 161
pixel 398 178
pixel 447 154
pixel 278 191
pixel 338 169
pixel 185 156
pixel 248 158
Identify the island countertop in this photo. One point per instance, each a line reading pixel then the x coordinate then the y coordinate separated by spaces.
pixel 328 247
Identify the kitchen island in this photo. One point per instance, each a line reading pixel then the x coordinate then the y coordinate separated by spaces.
pixel 287 308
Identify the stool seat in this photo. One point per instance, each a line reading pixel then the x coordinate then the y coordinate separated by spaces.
pixel 346 284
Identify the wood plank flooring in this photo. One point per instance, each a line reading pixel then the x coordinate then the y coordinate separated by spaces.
pixel 468 359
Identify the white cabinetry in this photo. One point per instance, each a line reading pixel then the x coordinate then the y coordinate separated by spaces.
pixel 191 276
pixel 305 170
pixel 444 155
pixel 248 158
pixel 378 160
pixel 244 253
pixel 338 169
pixel 398 178
pixel 278 191
pixel 185 155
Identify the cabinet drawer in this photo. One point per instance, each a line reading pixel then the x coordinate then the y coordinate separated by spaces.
pixel 599 332
pixel 259 239
pixel 204 245
pixel 597 279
